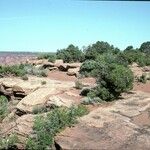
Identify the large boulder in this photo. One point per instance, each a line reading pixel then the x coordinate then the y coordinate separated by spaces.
pixel 36 99
pixel 63 67
pixel 58 62
pixel 73 71
pixel 48 65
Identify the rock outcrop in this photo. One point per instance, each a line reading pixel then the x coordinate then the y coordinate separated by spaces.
pixel 17 88
pixel 37 98
pixel 73 71
pixel 119 126
pixel 21 127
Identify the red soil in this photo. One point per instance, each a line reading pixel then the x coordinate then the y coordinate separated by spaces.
pixel 142 87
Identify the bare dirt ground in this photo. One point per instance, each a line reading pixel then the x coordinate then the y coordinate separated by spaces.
pixel 142 87
pixel 62 76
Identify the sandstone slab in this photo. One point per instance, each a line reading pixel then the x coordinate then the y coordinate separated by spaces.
pixel 37 98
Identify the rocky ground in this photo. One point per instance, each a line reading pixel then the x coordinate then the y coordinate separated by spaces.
pixel 122 124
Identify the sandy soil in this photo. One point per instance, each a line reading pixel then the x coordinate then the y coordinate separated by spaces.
pixel 62 76
pixel 142 87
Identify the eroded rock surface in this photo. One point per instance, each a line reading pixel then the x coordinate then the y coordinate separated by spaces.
pixel 36 99
pixel 21 127
pixel 115 127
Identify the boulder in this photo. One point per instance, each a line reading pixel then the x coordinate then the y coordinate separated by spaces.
pixel 52 68
pixel 63 67
pixel 146 69
pixel 36 99
pixel 58 100
pixel 58 62
pixel 73 71
pixel 48 65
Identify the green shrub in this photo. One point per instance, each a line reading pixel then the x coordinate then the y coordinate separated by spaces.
pixel 142 78
pixel 9 142
pixel 44 73
pixel 3 107
pixel 88 100
pixel 112 80
pixel 56 120
pixel 32 70
pixel 85 91
pixel 39 109
pixel 100 47
pixel 17 70
pixel 45 55
pixel 43 82
pixel 78 85
pixel 52 58
pixel 145 47
pixel 88 68
pixel 25 77
pixel 130 56
pixel 70 54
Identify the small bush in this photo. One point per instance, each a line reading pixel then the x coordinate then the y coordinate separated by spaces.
pixel 52 58
pixel 39 109
pixel 9 142
pixel 85 91
pixel 36 71
pixel 3 107
pixel 44 73
pixel 142 78
pixel 43 82
pixel 88 100
pixel 25 77
pixel 46 56
pixel 78 85
pixel 56 120
pixel 16 70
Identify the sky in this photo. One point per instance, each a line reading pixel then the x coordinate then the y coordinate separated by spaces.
pixel 48 25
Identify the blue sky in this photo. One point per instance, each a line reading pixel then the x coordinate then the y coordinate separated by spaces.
pixel 48 25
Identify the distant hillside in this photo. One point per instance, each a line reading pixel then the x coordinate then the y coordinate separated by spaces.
pixel 10 58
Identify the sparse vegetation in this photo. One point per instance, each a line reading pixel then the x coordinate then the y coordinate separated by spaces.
pixel 45 55
pixel 39 109
pixel 56 120
pixel 78 85
pixel 16 70
pixel 43 82
pixel 25 77
pixel 52 58
pixel 9 142
pixel 142 78
pixel 3 107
